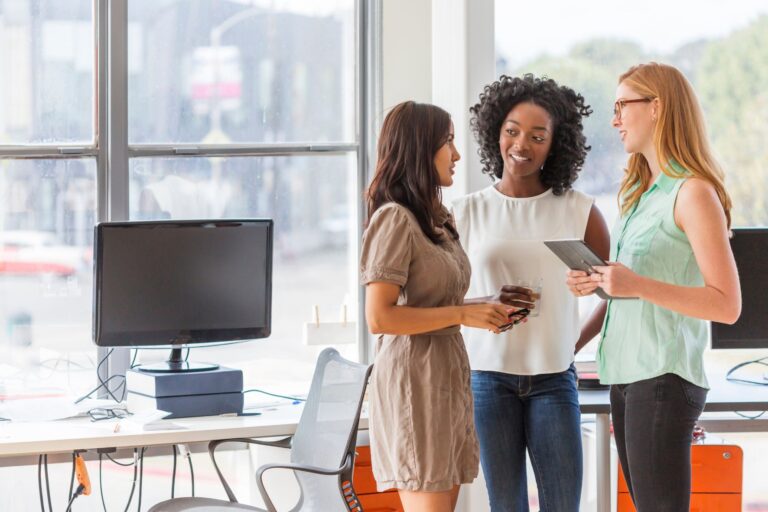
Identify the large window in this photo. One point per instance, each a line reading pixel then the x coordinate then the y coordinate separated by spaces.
pixel 172 109
pixel 229 109
pixel 723 52
pixel 255 78
pixel 47 50
pixel 311 199
pixel 47 203
pixel 212 71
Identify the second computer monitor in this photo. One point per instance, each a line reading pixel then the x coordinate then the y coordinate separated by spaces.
pixel 750 250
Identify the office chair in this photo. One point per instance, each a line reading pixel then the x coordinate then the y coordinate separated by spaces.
pixel 322 449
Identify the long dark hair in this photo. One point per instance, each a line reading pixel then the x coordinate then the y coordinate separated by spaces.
pixel 410 137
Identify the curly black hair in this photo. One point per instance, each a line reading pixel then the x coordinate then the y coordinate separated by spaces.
pixel 566 108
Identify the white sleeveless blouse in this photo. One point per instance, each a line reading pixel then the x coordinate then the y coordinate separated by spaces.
pixel 503 237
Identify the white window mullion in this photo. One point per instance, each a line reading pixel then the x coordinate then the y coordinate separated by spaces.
pixel 60 151
pixel 115 72
pixel 273 149
pixel 369 103
pixel 101 38
pixel 117 80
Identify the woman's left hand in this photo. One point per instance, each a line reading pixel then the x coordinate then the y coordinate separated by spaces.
pixel 617 280
pixel 580 283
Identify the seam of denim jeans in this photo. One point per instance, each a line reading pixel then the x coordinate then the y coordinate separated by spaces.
pixel 564 389
pixel 537 470
pixel 657 421
pixel 528 380
pixel 492 485
pixel 545 499
pixel 688 393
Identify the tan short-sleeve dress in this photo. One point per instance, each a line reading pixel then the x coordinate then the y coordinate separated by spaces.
pixel 422 432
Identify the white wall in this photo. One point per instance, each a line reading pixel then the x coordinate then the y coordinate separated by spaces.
pixel 442 52
pixel 406 52
pixel 427 51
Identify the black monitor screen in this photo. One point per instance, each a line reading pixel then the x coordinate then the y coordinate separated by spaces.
pixel 180 282
pixel 750 249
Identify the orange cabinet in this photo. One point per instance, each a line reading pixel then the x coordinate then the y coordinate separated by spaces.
pixel 381 502
pixel 716 476
pixel 365 486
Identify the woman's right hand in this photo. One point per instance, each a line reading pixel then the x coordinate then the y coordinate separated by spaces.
pixel 487 315
pixel 580 283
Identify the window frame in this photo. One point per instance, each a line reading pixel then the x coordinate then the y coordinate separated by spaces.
pixel 113 153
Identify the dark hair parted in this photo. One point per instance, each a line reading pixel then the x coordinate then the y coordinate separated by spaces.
pixel 410 137
pixel 566 108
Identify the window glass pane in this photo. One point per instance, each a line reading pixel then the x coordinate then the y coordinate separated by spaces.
pixel 47 213
pixel 312 201
pixel 724 53
pixel 47 58
pixel 209 71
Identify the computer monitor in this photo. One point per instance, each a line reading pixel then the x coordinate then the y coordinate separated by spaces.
pixel 181 283
pixel 750 249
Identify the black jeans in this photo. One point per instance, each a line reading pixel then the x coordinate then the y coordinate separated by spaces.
pixel 653 424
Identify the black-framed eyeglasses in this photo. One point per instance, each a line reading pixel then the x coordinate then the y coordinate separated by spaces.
pixel 102 413
pixel 620 104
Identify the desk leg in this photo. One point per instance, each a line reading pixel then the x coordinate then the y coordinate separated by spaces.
pixel 603 441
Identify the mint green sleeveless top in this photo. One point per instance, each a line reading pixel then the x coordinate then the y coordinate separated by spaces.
pixel 640 340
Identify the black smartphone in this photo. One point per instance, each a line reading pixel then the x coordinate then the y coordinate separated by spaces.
pixel 515 317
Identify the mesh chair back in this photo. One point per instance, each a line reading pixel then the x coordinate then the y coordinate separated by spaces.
pixel 327 431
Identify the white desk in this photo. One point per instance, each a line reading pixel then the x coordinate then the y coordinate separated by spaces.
pixel 21 443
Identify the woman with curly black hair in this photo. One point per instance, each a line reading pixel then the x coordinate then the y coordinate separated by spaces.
pixel 532 145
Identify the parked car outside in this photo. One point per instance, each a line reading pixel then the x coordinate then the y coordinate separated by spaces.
pixel 40 253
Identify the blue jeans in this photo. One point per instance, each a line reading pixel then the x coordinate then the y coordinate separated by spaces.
pixel 539 413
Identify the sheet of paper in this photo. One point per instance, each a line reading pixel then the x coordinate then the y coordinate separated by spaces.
pixel 38 409
pixel 148 421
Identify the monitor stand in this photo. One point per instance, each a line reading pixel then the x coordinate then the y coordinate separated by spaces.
pixel 177 364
